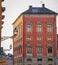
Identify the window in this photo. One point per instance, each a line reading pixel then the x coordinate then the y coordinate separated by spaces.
pixel 29 49
pixel 39 59
pixel 39 64
pixel 29 27
pixel 29 38
pixel 29 59
pixel 20 49
pixel 39 38
pixel 50 64
pixel 15 31
pixel 39 27
pixel 29 64
pixel 50 59
pixel 49 27
pixel 20 29
pixel 20 60
pixel 49 38
pixel 49 49
pixel 39 50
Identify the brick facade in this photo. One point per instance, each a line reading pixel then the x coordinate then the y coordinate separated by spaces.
pixel 21 44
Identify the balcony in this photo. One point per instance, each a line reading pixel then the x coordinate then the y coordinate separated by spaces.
pixel 2 0
pixel 3 9
pixel 3 16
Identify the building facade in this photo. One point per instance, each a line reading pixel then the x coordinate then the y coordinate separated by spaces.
pixel 34 38
pixel 57 51
pixel 2 9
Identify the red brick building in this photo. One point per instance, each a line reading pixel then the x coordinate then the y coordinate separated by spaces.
pixel 35 37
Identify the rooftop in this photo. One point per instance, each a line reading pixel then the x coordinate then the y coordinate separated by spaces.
pixel 39 10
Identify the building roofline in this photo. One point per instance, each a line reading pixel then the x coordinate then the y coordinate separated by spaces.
pixel 17 18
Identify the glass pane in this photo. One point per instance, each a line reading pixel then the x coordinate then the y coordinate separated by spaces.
pixel 39 49
pixel 49 38
pixel 49 49
pixel 29 49
pixel 49 27
pixel 39 27
pixel 39 38
pixel 29 27
pixel 29 38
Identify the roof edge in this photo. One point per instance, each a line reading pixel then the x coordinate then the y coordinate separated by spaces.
pixel 17 18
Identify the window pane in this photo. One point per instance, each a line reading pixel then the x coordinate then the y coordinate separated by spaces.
pixel 39 59
pixel 29 49
pixel 49 49
pixel 20 29
pixel 49 38
pixel 39 50
pixel 39 38
pixel 39 64
pixel 29 59
pixel 29 27
pixel 15 31
pixel 49 27
pixel 29 38
pixel 50 59
pixel 38 27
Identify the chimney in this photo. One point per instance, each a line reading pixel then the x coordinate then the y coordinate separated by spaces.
pixel 43 5
pixel 30 7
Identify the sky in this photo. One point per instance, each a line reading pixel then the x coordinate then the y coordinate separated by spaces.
pixel 14 8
